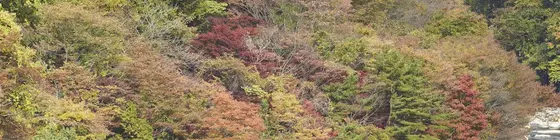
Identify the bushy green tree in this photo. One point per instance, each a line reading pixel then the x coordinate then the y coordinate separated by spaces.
pixel 368 11
pixel 25 10
pixel 72 33
pixel 134 127
pixel 197 11
pixel 22 98
pixel 350 52
pixel 162 24
pixel 457 23
pixel 414 106
pixel 520 29
pixel 232 73
pixel 531 30
pixel 485 7
pixel 12 53
pixel 354 131
pixel 54 132
pixel 287 15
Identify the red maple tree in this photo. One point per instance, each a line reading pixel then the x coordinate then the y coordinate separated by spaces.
pixel 227 36
pixel 464 99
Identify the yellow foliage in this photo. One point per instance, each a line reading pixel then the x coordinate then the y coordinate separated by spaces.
pixel 69 112
pixel 287 115
pixel 10 36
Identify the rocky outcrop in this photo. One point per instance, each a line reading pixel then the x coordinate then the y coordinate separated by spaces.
pixel 545 125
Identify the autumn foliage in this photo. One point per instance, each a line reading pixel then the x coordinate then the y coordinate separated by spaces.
pixel 227 36
pixel 465 101
pixel 274 69
pixel 234 119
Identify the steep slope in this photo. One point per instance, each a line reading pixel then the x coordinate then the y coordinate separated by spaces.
pixel 260 69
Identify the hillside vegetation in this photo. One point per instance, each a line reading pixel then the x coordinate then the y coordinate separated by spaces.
pixel 282 69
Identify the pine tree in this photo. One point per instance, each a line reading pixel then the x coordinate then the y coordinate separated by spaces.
pixel 413 104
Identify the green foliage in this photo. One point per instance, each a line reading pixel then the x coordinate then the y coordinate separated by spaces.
pixel 206 8
pixel 71 112
pixel 354 131
pixel 345 91
pixel 528 3
pixel 198 10
pixel 553 29
pixel 8 24
pixel 519 29
pixel 113 4
pixel 10 45
pixel 22 98
pixel 285 111
pixel 162 24
pixel 231 72
pixel 368 11
pixel 134 126
pixel 323 42
pixel 485 7
pixel 114 67
pixel 413 104
pixel 358 97
pixel 457 23
pixel 554 70
pixel 532 31
pixel 73 33
pixel 283 114
pixel 256 90
pixel 348 52
pixel 25 10
pixel 287 15
pixel 54 132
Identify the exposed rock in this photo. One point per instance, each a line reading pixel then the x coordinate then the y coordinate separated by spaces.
pixel 545 125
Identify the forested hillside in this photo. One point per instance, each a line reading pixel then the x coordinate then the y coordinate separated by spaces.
pixel 276 69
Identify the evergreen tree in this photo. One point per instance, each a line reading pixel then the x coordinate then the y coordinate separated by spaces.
pixel 413 104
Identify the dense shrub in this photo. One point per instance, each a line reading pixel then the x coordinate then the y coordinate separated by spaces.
pixel 152 21
pixel 371 11
pixel 363 101
pixel 284 114
pixel 72 33
pixel 200 9
pixel 457 23
pixel 55 132
pixel 485 7
pixel 12 53
pixel 356 131
pixel 25 10
pixel 232 73
pixel 134 126
pixel 348 52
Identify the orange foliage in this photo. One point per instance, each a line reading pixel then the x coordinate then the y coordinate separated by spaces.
pixel 234 119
